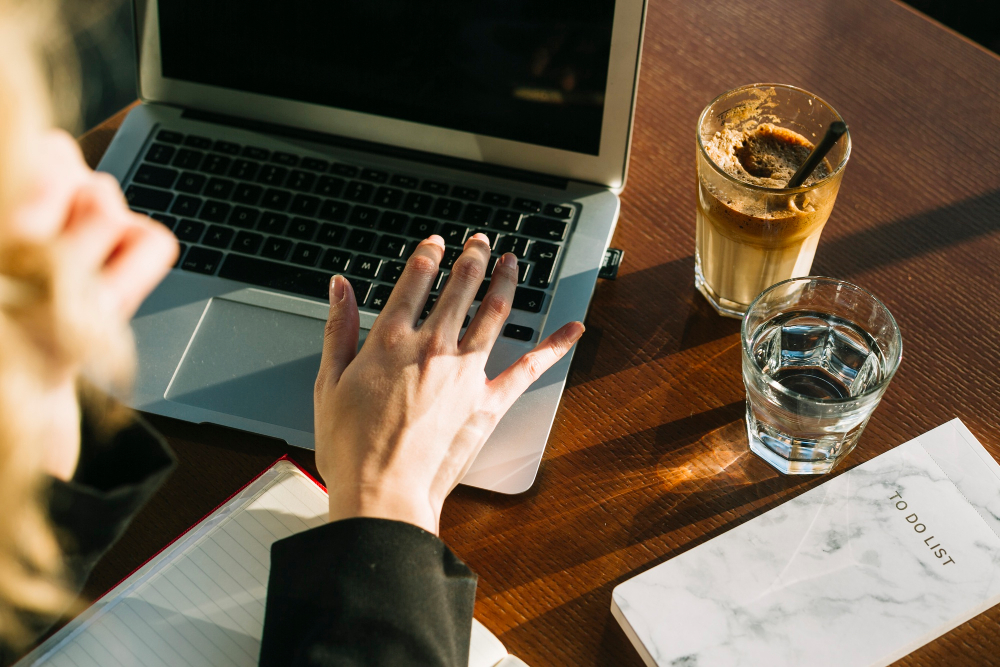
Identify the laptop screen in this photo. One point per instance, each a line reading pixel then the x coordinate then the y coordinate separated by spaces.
pixel 533 71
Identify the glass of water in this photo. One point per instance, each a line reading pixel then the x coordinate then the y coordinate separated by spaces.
pixel 818 354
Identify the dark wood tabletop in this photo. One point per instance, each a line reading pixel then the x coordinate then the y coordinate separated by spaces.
pixel 648 456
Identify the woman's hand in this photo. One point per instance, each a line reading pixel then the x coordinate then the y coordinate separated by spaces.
pixel 103 258
pixel 398 426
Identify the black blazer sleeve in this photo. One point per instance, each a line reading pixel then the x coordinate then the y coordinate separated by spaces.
pixel 367 592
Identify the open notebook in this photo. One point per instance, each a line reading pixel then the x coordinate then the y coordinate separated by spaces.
pixel 200 601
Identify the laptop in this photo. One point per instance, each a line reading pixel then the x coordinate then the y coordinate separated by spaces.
pixel 283 142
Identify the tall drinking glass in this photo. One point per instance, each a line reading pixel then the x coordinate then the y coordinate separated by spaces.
pixel 751 231
pixel 818 354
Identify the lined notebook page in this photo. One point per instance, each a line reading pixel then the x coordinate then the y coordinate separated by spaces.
pixel 200 603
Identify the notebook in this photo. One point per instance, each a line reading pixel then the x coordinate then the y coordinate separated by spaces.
pixel 857 571
pixel 200 601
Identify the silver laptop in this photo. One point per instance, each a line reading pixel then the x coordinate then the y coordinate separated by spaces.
pixel 286 142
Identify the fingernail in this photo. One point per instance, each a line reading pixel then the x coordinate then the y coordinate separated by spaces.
pixel 579 332
pixel 509 259
pixel 437 240
pixel 482 237
pixel 337 290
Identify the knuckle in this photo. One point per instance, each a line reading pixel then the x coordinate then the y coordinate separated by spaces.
pixel 391 334
pixel 495 307
pixel 438 343
pixel 534 366
pixel 467 269
pixel 423 265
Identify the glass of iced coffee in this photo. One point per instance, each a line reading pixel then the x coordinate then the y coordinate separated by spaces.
pixel 752 230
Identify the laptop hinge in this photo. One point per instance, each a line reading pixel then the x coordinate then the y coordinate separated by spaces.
pixel 510 173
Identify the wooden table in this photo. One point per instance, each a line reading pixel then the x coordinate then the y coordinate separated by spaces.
pixel 648 456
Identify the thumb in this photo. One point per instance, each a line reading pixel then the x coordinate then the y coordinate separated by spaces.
pixel 340 338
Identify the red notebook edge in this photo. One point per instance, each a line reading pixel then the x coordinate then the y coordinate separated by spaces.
pixel 215 509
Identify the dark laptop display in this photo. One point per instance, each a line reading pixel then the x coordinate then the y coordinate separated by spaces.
pixel 533 71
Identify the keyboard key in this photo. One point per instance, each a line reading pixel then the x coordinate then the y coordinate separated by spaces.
pixel 170 137
pixel 392 247
pixel 216 164
pixel 515 244
pixel 243 217
pixel 248 242
pixel 185 205
pixel 517 332
pixel 360 240
pixel 450 255
pixel 392 271
pixel 447 209
pixel 506 221
pixel 483 288
pixel 541 252
pixel 272 175
pixel 188 159
pixel 544 228
pixel 218 237
pixel 557 211
pixel 476 214
pixel 286 159
pixel 422 227
pixel 160 154
pixel 330 186
pixel 315 164
pixel 191 183
pixel 306 254
pixel 189 230
pixel 493 237
pixel 301 181
pixel 388 197
pixel 276 248
pixel 522 272
pixel 404 181
pixel 417 204
pixel 201 260
pixel 304 205
pixel 358 191
pixel 374 175
pixel 435 187
pixel 167 221
pixel 428 306
pixel 528 205
pixel 344 170
pixel 393 222
pixel 333 210
pixel 454 234
pixel 201 143
pixel 245 170
pixel 528 299
pixel 365 266
pixel 364 216
pixel 273 223
pixel 159 177
pixel 494 199
pixel 256 153
pixel 302 228
pixel 227 147
pixel 335 260
pixel 214 211
pixel 379 297
pixel 438 281
pixel 247 194
pixel 362 288
pixel 148 198
pixel 331 234
pixel 219 188
pixel 542 273
pixel 461 192
pixel 276 200
pixel 276 276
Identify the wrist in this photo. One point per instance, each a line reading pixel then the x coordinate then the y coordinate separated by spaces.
pixel 385 503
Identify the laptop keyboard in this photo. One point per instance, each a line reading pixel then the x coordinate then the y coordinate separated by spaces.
pixel 288 222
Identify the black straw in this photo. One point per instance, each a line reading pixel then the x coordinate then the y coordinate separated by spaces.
pixel 836 130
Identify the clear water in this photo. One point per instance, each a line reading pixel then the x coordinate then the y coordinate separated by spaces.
pixel 824 359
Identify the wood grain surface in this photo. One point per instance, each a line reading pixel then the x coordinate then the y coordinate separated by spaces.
pixel 648 457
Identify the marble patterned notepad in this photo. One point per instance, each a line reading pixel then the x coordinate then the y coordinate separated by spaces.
pixel 856 572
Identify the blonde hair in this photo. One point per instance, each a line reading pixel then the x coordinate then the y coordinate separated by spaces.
pixel 44 315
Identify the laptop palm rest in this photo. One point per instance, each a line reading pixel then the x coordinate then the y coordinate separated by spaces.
pixel 253 362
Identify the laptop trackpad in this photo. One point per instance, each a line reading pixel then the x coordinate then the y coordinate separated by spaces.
pixel 251 362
